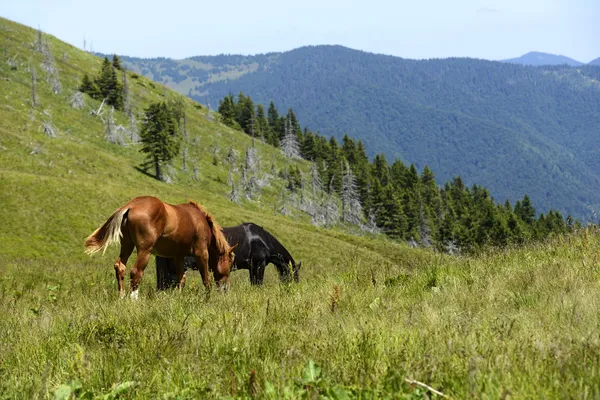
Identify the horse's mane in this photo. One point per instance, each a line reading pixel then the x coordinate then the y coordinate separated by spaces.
pixel 222 243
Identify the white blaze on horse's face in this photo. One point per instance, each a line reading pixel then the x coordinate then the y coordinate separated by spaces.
pixel 134 294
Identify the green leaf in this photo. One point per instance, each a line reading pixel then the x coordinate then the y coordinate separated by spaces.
pixel 62 392
pixel 311 372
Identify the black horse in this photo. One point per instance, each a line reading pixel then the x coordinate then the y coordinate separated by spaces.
pixel 256 248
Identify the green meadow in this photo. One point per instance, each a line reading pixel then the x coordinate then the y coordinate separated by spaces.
pixel 370 318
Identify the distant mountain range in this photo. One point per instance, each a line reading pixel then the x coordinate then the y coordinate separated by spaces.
pixel 537 59
pixel 512 128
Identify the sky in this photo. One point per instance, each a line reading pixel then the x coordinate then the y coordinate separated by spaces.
pixel 489 29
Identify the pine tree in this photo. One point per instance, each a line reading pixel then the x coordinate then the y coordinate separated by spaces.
pixel 245 115
pixel 116 63
pixel 227 111
pixel 524 210
pixel 159 137
pixel 262 125
pixel 109 86
pixel 89 87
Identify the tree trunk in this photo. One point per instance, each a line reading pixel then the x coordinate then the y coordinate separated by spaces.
pixel 157 168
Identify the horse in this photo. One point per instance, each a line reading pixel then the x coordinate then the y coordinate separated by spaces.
pixel 173 231
pixel 256 248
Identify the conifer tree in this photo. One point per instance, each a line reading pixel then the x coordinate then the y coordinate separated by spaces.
pixel 245 115
pixel 227 111
pixel 109 86
pixel 89 87
pixel 524 210
pixel 116 62
pixel 159 137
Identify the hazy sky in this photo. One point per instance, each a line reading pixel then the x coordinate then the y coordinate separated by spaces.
pixel 491 29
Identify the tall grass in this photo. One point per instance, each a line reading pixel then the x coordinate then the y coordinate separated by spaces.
pixel 520 323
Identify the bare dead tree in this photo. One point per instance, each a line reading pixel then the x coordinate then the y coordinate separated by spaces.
pixel 215 153
pixel 252 129
pixel 289 143
pixel 424 222
pixel 12 61
pixel 229 177
pixel 195 171
pixel 184 154
pixel 49 129
pixel 330 206
pixel 370 226
pixel 126 94
pixel 49 65
pixel 33 94
pixel 98 112
pixel 234 194
pixel 251 159
pixel 39 45
pixel 285 208
pixel 209 114
pixel 351 207
pixel 113 131
pixel 77 100
pixel 133 135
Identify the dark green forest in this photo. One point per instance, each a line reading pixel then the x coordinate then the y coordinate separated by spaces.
pixel 511 128
pixel 396 198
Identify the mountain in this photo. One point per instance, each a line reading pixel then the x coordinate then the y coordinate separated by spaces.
pixel 511 128
pixel 595 61
pixel 536 58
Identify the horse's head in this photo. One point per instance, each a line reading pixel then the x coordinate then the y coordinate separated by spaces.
pixel 224 267
pixel 296 268
pixel 289 272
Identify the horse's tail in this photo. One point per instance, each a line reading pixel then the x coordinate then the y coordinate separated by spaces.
pixel 107 234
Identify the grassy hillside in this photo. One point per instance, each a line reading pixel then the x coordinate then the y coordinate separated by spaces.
pixel 369 315
pixel 514 129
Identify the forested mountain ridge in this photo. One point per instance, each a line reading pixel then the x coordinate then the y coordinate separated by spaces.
pixel 512 128
pixel 536 58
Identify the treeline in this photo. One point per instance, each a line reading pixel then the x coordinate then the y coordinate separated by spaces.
pixel 404 203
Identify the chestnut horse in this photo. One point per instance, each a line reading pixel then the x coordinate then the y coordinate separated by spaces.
pixel 173 231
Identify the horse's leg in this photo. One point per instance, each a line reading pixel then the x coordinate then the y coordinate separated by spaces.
pixel 260 271
pixel 120 264
pixel 202 264
pixel 257 272
pixel 137 272
pixel 179 271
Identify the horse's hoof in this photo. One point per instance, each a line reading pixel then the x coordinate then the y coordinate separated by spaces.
pixel 134 294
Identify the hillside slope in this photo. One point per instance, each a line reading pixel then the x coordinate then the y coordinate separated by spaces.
pixel 511 128
pixel 57 190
